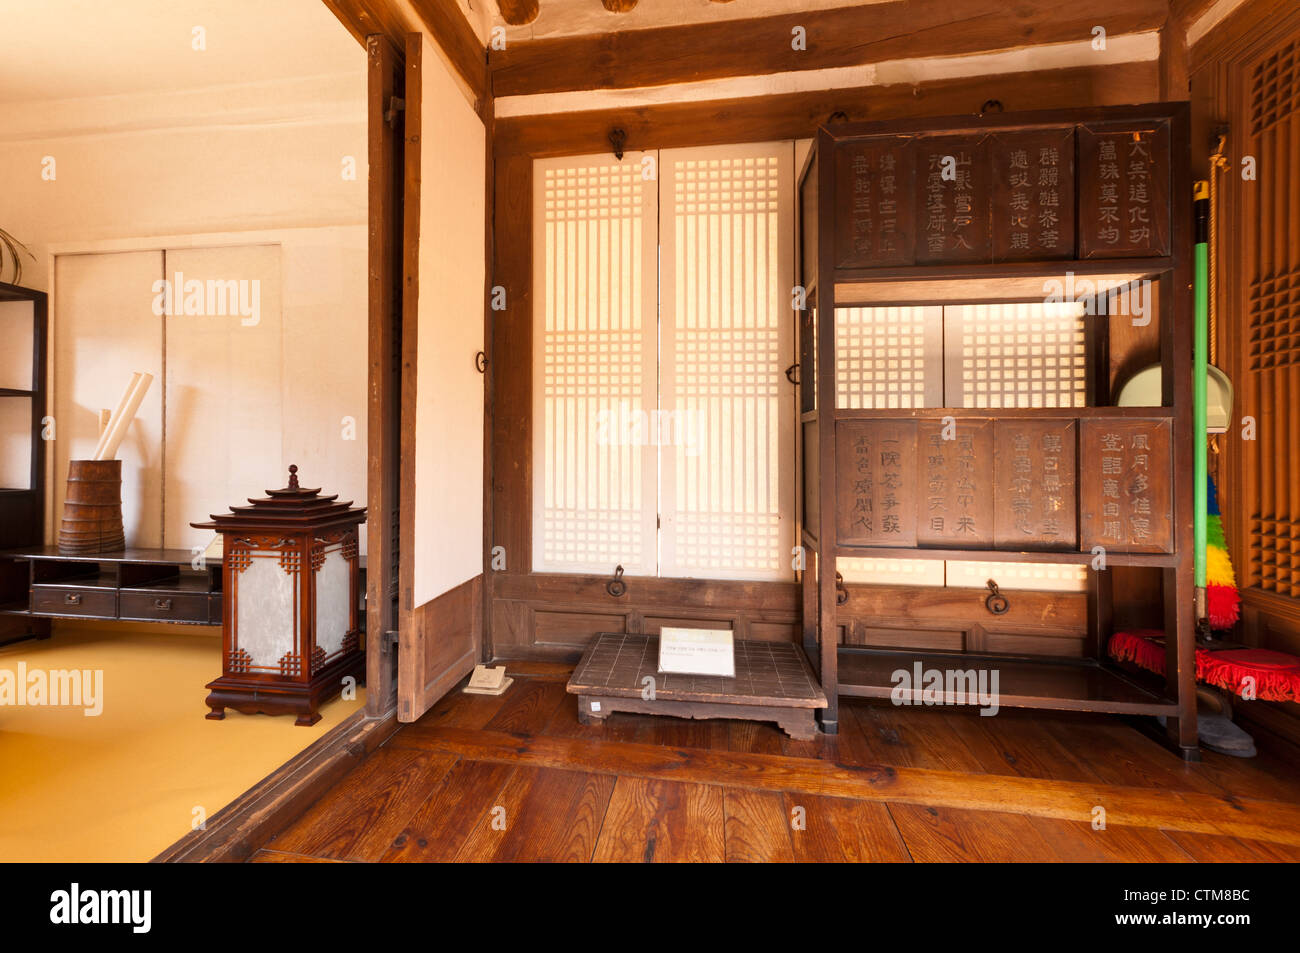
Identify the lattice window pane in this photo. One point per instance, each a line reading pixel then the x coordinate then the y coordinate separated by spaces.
pixel 1015 355
pixel 891 572
pixel 1047 577
pixel 594 352
pixel 727 334
pixel 888 358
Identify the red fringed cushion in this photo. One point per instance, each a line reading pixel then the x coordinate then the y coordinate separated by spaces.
pixel 1276 675
pixel 1223 606
pixel 1140 648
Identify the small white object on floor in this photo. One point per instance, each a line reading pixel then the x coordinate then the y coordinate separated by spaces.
pixel 488 681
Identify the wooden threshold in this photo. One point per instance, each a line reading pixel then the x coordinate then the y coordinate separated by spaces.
pixel 1022 683
pixel 235 832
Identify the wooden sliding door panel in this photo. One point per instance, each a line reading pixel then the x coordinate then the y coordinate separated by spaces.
pixel 441 589
pixel 726 409
pixel 595 348
pixel 225 387
pixel 106 327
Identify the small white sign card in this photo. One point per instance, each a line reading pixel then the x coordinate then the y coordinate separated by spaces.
pixel 697 652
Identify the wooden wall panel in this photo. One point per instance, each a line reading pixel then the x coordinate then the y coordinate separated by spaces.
pixel 447 632
pixel 555 616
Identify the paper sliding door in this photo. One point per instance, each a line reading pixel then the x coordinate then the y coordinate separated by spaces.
pixel 440 604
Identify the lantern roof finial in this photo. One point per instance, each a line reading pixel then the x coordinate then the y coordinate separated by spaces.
pixel 293 476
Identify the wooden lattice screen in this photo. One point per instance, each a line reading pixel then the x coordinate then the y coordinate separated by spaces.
pixel 1271 391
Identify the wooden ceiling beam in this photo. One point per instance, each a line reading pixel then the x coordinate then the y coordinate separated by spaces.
pixel 518 12
pixel 848 36
pixel 445 23
pixel 368 17
pixel 1188 12
pixel 797 115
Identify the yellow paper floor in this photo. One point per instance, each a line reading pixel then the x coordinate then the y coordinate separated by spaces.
pixel 123 785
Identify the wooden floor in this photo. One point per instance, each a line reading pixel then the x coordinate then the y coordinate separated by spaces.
pixel 516 778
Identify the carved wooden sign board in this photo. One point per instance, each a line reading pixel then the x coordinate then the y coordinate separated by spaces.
pixel 1053 484
pixel 1094 190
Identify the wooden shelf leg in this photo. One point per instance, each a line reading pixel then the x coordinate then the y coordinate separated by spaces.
pixel 1180 648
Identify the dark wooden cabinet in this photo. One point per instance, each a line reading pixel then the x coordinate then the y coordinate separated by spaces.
pixel 1090 206
pixel 24 331
pixel 143 585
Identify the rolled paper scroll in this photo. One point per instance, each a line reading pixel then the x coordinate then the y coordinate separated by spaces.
pixel 117 430
pixel 121 406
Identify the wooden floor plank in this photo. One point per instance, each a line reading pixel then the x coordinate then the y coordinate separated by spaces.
pixel 1155 807
pixel 920 737
pixel 754 737
pixel 840 830
pixel 457 709
pixel 546 815
pixel 942 834
pixel 1117 754
pixel 757 827
pixel 529 706
pixel 1079 842
pixel 281 857
pixel 358 819
pixel 1213 849
pixel 618 727
pixel 661 821
pixel 690 732
pixel 444 822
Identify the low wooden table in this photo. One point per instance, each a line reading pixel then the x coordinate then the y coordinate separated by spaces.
pixel 773 683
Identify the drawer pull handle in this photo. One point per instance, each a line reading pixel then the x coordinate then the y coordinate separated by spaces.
pixel 72 599
pixel 164 604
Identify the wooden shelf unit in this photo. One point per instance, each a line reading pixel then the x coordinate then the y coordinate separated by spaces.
pixel 843 175
pixel 22 508
pixel 139 585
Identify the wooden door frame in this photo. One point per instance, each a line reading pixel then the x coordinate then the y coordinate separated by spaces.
pixel 386 81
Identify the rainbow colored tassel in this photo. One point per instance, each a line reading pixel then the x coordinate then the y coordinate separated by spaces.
pixel 1222 601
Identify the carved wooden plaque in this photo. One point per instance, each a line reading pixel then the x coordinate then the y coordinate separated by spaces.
pixel 877 482
pixel 1124 185
pixel 1035 500
pixel 874 221
pixel 955 506
pixel 1033 195
pixel 953 197
pixel 1126 479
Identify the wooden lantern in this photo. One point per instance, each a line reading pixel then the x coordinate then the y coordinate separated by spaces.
pixel 291 627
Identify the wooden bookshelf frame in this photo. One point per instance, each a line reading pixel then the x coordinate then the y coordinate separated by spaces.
pixel 1090 684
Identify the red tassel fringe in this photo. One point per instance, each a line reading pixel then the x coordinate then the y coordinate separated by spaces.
pixel 1276 675
pixel 1140 648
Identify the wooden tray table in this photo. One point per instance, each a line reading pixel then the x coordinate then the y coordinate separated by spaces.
pixel 773 682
